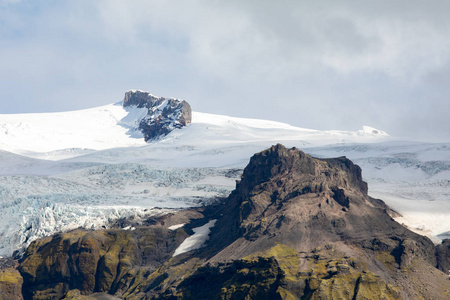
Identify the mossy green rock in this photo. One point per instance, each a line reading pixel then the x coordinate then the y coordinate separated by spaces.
pixel 370 286
pixel 10 284
pixel 271 274
pixel 257 279
pixel 93 261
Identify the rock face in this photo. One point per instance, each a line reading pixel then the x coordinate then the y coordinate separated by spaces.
pixel 94 261
pixel 443 256
pixel 164 114
pixel 295 227
pixel 305 202
pixel 10 284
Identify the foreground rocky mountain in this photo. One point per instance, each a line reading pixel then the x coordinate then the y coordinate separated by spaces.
pixel 295 227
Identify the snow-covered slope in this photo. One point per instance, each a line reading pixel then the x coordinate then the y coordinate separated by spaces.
pixel 96 128
pixel 69 134
pixel 86 168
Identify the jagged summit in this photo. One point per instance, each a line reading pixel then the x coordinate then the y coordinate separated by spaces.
pixel 163 115
pixel 281 161
pixel 306 202
pixel 320 209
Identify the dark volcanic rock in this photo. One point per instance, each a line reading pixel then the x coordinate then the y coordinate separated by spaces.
pixel 10 284
pixel 242 279
pixel 443 256
pixel 94 261
pixel 310 205
pixel 306 202
pixel 164 114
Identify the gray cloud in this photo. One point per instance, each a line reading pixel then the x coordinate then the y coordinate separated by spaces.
pixel 324 65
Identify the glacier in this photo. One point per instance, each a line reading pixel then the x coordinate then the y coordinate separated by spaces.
pixel 88 168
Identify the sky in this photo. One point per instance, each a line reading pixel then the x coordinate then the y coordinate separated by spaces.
pixel 312 64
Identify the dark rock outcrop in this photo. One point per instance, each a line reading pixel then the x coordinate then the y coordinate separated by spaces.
pixel 443 256
pixel 306 202
pixel 315 218
pixel 164 114
pixel 295 227
pixel 94 261
pixel 10 284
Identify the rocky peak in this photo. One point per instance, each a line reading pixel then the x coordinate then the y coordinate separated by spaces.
pixel 140 99
pixel 163 116
pixel 281 169
pixel 276 161
pixel 290 197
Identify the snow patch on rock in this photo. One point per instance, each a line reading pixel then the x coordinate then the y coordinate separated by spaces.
pixel 195 241
pixel 175 227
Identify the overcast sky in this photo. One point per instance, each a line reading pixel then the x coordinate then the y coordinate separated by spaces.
pixel 313 64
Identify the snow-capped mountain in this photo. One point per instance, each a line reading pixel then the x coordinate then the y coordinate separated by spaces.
pixel 86 168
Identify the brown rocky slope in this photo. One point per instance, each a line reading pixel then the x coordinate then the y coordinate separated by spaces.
pixel 296 227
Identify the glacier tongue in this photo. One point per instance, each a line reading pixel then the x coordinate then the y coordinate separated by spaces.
pixel 24 220
pixel 35 206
